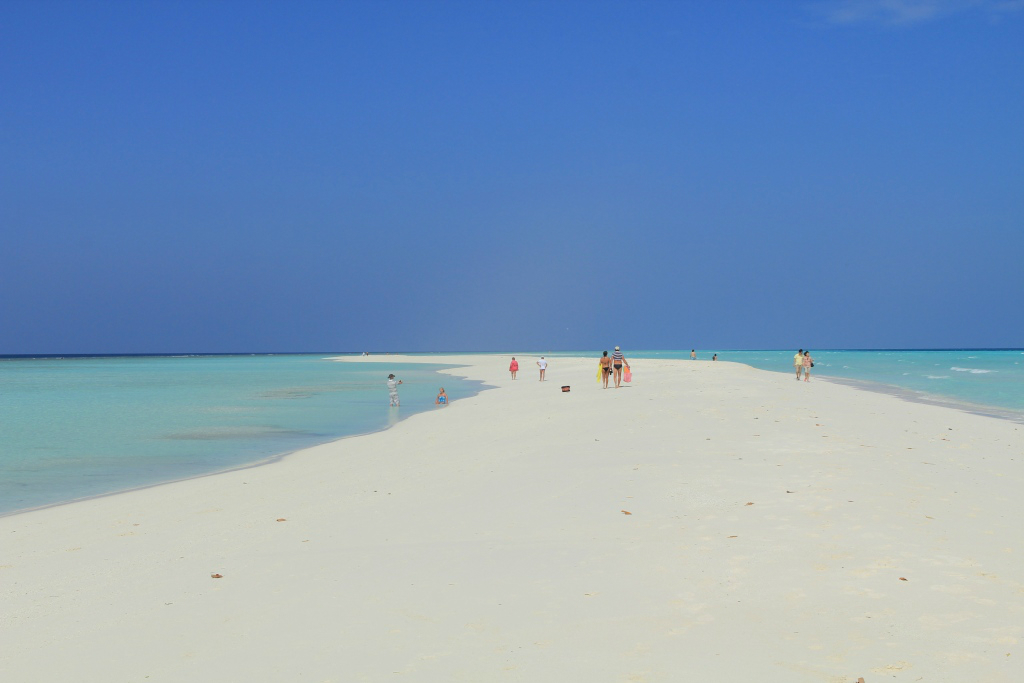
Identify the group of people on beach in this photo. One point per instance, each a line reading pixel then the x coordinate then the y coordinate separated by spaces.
pixel 802 363
pixel 609 368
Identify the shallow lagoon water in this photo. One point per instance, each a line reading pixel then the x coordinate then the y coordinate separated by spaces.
pixel 79 427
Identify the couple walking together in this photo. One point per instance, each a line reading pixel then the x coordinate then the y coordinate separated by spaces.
pixel 514 367
pixel 802 362
pixel 613 366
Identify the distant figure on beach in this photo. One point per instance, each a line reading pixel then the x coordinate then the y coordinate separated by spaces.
pixel 693 354
pixel 808 364
pixel 442 398
pixel 714 357
pixel 393 389
pixel 543 365
pixel 618 360
pixel 606 369
pixel 798 363
pixel 513 367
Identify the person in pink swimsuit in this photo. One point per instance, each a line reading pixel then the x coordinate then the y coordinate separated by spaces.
pixel 513 367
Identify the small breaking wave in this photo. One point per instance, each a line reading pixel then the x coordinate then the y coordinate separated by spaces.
pixel 973 371
pixel 937 376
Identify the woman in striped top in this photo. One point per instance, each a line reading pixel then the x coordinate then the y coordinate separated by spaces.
pixel 618 360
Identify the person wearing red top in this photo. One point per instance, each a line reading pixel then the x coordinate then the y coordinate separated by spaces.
pixel 513 367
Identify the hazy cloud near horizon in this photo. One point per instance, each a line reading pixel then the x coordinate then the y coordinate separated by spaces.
pixel 907 12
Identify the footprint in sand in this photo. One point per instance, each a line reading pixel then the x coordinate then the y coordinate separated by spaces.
pixel 892 668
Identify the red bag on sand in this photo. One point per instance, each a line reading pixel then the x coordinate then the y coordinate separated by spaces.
pixel 627 376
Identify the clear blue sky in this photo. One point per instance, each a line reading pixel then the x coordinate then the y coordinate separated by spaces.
pixel 288 176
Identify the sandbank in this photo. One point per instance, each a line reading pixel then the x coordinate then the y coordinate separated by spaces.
pixel 707 522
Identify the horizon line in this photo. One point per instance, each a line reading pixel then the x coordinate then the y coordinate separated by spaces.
pixel 200 354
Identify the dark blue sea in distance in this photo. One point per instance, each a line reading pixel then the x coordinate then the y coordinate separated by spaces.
pixel 75 427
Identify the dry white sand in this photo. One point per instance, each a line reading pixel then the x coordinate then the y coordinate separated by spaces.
pixel 779 531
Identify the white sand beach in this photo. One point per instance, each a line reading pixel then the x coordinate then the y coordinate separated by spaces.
pixel 707 522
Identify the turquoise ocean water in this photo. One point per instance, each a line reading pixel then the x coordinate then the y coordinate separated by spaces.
pixel 79 427
pixel 985 380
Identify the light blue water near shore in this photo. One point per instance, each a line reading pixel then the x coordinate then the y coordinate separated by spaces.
pixel 73 428
pixel 967 378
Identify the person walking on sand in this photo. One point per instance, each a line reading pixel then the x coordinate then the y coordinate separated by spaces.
pixel 808 364
pixel 543 365
pixel 606 369
pixel 618 360
pixel 513 367
pixel 798 363
pixel 442 398
pixel 393 389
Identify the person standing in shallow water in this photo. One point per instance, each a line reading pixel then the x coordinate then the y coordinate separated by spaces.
pixel 618 360
pixel 513 367
pixel 606 369
pixel 393 389
pixel 693 354
pixel 798 363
